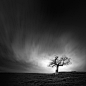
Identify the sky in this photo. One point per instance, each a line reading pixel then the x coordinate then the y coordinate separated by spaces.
pixel 33 32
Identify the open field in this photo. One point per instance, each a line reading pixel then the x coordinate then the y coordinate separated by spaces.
pixel 34 79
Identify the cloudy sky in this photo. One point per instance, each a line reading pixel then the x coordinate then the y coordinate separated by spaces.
pixel 33 32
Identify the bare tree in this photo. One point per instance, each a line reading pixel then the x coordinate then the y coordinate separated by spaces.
pixel 59 62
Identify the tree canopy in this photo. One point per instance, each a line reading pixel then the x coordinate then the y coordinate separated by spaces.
pixel 64 60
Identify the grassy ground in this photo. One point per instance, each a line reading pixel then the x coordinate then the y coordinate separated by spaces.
pixel 34 79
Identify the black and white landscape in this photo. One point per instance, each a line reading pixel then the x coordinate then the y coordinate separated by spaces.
pixel 33 32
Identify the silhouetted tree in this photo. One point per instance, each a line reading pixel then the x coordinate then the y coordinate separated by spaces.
pixel 59 62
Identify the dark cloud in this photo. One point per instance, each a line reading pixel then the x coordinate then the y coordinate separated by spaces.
pixel 32 32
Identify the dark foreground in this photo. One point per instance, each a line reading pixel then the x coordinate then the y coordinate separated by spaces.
pixel 31 79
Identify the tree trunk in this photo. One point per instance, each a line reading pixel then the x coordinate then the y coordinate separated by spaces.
pixel 57 66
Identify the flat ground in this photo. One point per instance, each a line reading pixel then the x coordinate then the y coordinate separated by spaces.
pixel 34 79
